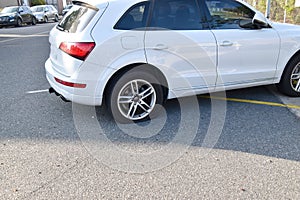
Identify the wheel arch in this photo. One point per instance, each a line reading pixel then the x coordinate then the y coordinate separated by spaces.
pixel 20 18
pixel 150 68
pixel 297 54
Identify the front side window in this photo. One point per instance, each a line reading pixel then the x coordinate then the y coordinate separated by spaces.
pixel 176 15
pixel 134 18
pixel 226 14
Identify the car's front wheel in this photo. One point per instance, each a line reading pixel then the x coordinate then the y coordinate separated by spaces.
pixel 19 22
pixel 290 80
pixel 134 96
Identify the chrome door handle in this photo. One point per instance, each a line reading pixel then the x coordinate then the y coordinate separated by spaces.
pixel 226 43
pixel 160 47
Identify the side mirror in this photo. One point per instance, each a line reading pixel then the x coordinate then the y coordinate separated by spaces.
pixel 260 20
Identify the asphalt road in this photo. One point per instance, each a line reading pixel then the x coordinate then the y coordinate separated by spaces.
pixel 205 149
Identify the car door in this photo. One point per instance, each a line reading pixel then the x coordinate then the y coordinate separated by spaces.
pixel 50 12
pixel 22 13
pixel 178 42
pixel 245 56
pixel 25 14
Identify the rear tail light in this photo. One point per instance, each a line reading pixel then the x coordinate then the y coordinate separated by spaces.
pixel 79 50
pixel 69 84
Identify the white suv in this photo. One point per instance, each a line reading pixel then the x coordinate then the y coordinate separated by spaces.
pixel 134 54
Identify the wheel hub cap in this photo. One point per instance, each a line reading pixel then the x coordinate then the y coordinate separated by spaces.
pixel 136 99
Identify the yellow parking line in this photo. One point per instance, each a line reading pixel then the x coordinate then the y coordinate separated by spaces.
pixel 252 102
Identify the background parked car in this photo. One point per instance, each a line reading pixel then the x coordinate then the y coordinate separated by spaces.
pixel 16 15
pixel 66 9
pixel 44 13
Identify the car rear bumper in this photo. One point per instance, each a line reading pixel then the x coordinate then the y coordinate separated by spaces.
pixel 84 96
pixel 39 19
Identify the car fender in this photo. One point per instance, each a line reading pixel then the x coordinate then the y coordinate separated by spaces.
pixel 106 71
pixel 182 74
pixel 289 47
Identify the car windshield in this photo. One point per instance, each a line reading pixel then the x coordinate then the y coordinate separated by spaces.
pixel 10 10
pixel 37 9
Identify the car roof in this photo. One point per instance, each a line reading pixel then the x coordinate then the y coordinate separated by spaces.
pixel 39 6
pixel 12 6
pixel 99 2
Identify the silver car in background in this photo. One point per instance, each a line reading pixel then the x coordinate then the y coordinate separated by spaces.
pixel 45 13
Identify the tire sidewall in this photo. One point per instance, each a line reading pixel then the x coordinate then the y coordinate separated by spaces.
pixel 284 85
pixel 19 22
pixel 33 21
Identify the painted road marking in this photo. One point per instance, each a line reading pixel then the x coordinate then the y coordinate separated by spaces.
pixel 22 36
pixel 17 37
pixel 253 102
pixel 218 98
pixel 37 91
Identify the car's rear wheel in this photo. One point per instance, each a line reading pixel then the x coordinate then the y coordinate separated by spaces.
pixel 19 22
pixel 33 21
pixel 134 96
pixel 290 80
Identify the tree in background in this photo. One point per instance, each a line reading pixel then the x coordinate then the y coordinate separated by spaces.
pixel 277 10
pixel 37 2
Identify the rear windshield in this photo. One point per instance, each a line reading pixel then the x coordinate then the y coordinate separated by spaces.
pixel 77 18
pixel 37 9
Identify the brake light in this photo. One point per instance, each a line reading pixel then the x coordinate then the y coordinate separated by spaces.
pixel 79 50
pixel 69 84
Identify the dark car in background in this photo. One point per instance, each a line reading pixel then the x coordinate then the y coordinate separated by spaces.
pixel 16 16
pixel 44 13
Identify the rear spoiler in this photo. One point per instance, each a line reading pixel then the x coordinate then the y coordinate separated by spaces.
pixel 80 3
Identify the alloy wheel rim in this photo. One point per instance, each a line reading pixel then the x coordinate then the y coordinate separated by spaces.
pixel 295 78
pixel 136 99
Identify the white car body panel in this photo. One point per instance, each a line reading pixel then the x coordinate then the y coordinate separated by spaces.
pixel 290 45
pixel 187 57
pixel 246 56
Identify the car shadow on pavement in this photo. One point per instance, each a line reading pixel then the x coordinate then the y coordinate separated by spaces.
pixel 250 128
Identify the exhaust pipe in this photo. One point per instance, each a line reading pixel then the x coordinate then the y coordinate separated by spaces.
pixel 51 91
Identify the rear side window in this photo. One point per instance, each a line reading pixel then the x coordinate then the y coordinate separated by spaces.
pixel 176 15
pixel 77 18
pixel 134 18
